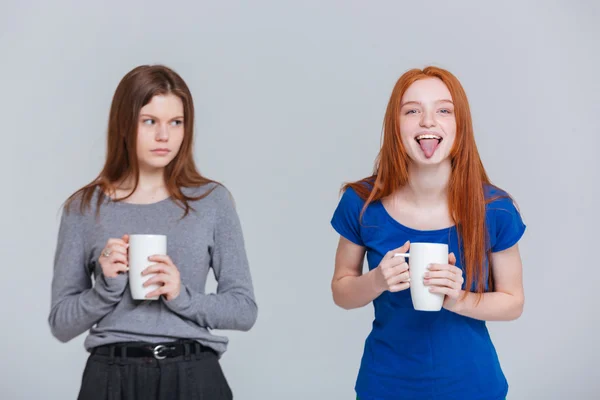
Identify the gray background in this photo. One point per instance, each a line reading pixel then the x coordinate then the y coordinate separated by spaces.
pixel 290 99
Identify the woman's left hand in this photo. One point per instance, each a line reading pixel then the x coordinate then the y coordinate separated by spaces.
pixel 167 275
pixel 446 279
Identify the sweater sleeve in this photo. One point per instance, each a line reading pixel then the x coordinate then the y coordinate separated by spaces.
pixel 76 304
pixel 233 306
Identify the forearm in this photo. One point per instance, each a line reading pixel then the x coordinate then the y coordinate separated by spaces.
pixel 493 306
pixel 234 310
pixel 355 291
pixel 73 314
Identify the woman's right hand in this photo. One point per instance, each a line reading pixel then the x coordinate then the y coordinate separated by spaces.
pixel 113 258
pixel 392 273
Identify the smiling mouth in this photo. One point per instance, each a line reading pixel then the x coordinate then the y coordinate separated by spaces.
pixel 428 143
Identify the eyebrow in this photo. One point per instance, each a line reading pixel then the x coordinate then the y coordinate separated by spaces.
pixel 419 103
pixel 152 116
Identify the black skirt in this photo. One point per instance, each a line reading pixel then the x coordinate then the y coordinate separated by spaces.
pixel 113 374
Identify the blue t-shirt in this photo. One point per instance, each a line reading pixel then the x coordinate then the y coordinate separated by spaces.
pixel 423 355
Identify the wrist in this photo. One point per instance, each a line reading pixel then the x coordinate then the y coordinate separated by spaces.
pixel 377 284
pixel 115 283
pixel 174 295
pixel 180 300
pixel 458 304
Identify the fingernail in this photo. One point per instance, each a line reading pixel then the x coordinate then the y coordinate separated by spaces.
pixel 426 274
pixel 428 266
pixel 431 289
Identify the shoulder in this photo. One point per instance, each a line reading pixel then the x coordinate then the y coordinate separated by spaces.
pixel 81 204
pixel 350 194
pixel 357 193
pixel 505 224
pixel 212 191
pixel 350 203
pixel 212 195
pixel 78 213
pixel 498 199
pixel 346 219
pixel 500 206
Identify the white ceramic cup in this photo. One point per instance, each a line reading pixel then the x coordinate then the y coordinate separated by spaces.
pixel 420 256
pixel 140 248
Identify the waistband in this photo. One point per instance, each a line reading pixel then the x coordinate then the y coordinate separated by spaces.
pixel 159 351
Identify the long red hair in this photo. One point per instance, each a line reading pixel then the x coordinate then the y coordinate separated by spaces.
pixel 135 90
pixel 466 199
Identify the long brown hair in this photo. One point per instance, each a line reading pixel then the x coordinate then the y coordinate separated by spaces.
pixel 135 90
pixel 466 198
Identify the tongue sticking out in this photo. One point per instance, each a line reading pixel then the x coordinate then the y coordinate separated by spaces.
pixel 428 146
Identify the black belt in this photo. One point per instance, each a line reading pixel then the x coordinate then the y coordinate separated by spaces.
pixel 159 351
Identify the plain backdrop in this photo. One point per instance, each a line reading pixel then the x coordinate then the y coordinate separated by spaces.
pixel 290 98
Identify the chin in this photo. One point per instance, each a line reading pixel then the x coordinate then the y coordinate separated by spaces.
pixel 155 164
pixel 435 160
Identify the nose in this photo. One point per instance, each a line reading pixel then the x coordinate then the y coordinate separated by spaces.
pixel 427 119
pixel 162 133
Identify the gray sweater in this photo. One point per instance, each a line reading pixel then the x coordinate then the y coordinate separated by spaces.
pixel 209 237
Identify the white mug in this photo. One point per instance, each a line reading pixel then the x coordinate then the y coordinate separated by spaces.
pixel 421 255
pixel 140 248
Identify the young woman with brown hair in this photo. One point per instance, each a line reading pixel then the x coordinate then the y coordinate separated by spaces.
pixel 429 185
pixel 150 185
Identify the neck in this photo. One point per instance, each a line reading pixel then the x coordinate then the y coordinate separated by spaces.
pixel 149 181
pixel 428 185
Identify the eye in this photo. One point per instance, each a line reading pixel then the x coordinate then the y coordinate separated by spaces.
pixel 411 111
pixel 445 111
pixel 148 121
pixel 177 122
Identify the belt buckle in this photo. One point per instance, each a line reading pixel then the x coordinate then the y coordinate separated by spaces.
pixel 156 352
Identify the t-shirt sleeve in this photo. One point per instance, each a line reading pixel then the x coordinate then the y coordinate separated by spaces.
pixel 509 226
pixel 346 217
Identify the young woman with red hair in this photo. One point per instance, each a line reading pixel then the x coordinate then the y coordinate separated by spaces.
pixel 429 185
